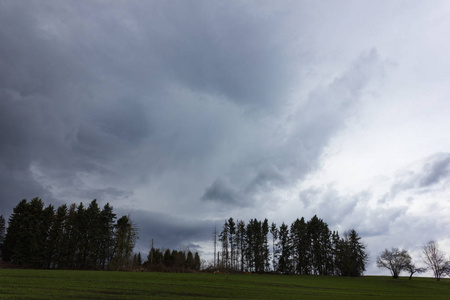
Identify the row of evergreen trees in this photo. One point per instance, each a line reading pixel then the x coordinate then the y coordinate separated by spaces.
pixel 308 248
pixel 172 261
pixel 71 237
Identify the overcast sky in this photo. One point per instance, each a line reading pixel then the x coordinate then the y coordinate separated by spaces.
pixel 185 113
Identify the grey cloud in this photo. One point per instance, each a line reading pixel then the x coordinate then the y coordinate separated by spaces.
pixel 334 208
pixel 183 106
pixel 163 94
pixel 291 156
pixel 343 212
pixel 426 174
pixel 436 170
pixel 226 49
pixel 220 191
pixel 169 231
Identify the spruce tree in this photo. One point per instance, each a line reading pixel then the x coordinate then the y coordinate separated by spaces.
pixel 231 241
pixel 300 246
pixel 284 250
pixel 106 224
pixel 241 243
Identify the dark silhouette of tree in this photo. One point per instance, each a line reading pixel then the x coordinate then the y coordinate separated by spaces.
pixel 307 248
pixel 412 269
pixel 320 246
pixel 241 242
pixel 74 237
pixel 284 250
pixel 125 239
pixel 265 245
pixel 80 238
pixel 26 238
pixel 231 241
pixel 224 238
pixel 137 261
pixel 352 257
pixel 435 259
pixel 172 261
pixel 2 233
pixel 300 246
pixel 57 240
pixel 274 232
pixel 167 260
pixel 395 260
pixel 93 237
pixel 190 261
pixel 106 236
pixel 335 252
pixel 197 262
pixel 2 228
pixel 257 247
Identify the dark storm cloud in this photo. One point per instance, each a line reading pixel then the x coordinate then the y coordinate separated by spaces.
pixel 168 231
pixel 220 191
pixel 86 86
pixel 295 153
pixel 178 107
pixel 99 100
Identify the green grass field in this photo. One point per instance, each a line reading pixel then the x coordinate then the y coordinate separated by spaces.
pixel 53 284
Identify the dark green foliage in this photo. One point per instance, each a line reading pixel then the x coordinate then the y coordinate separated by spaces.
pixel 274 232
pixel 241 237
pixel 352 257
pixel 223 237
pixel 320 249
pixel 28 230
pixel 2 233
pixel 74 237
pixel 124 240
pixel 190 260
pixel 106 251
pixel 232 241
pixel 257 251
pixel 172 261
pixel 137 261
pixel 197 262
pixel 300 246
pixel 283 250
pixel 308 248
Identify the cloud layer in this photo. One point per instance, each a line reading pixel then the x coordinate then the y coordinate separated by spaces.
pixel 186 113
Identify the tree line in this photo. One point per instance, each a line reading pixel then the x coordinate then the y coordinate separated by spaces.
pixel 397 260
pixel 308 248
pixel 70 237
pixel 172 261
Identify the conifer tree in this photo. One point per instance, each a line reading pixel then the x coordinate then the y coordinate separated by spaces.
pixel 300 246
pixel 197 262
pixel 274 232
pixel 284 250
pixel 224 238
pixel 241 243
pixel 125 239
pixel 106 224
pixel 231 241
pixel 2 233
pixel 57 241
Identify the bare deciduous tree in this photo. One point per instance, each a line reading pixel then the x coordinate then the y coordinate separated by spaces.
pixel 411 268
pixel 394 260
pixel 436 260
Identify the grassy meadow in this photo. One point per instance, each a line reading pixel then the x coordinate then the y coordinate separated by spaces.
pixel 56 284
